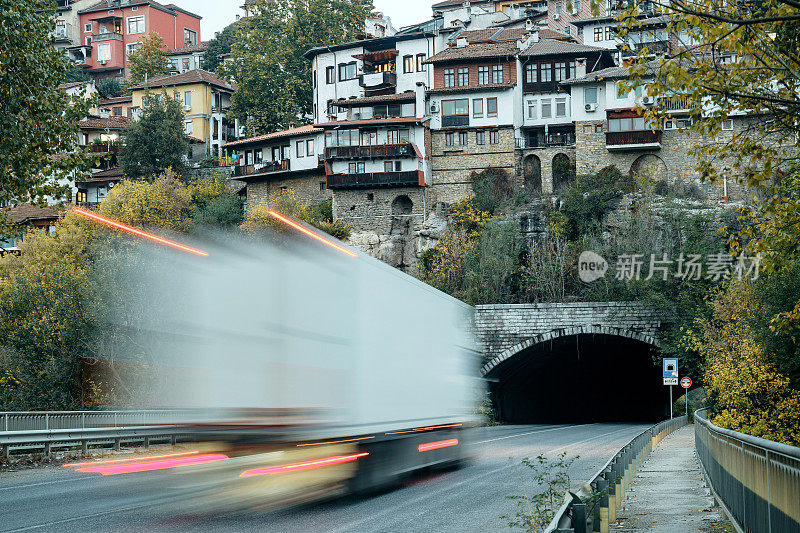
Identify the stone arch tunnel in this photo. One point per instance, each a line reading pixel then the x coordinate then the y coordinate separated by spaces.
pixel 572 362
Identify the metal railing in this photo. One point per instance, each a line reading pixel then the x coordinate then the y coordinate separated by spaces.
pixel 595 511
pixel 262 168
pixel 757 480
pixel 370 151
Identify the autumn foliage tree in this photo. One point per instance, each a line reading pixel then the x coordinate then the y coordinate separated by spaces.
pixel 148 61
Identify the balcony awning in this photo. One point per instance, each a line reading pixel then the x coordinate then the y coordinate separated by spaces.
pixel 374 57
pixel 107 18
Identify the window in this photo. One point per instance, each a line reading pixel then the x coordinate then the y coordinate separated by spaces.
pixel 456 107
pixel 329 76
pixel 449 139
pixel 609 33
pixel 622 92
pixel 259 156
pixel 491 107
pixel 186 65
pixel 727 124
pixel 135 8
pixel 356 168
pixel 104 52
pixel 545 72
pixel 532 109
pixel 321 186
pixel 388 166
pixel 683 123
pixel 117 112
pixel 559 7
pixel 310 147
pixel 132 111
pixel 285 152
pixel 87 27
pixel 483 75
pixel 572 69
pixel 87 41
pixel 189 36
pixel 420 59
pixel 408 64
pixel 561 107
pixel 598 34
pixel 561 71
pixel 497 74
pixel 300 148
pixel 135 24
pixel 547 108
pixel 130 48
pixel 187 98
pixel 590 95
pixel 369 137
pixel 477 108
pixel 463 76
pixel 462 138
pixel 449 77
pixel 626 124
pixel 347 71
pixel 494 137
pixel 531 74
pixel 188 127
pixel 480 137
pixel 177 97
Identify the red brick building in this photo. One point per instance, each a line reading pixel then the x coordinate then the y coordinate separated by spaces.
pixel 113 28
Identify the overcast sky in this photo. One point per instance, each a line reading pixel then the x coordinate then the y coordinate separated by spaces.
pixel 219 13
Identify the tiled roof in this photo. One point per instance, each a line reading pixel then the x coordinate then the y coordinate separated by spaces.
pixel 117 100
pixel 448 3
pixel 71 85
pixel 302 130
pixel 188 49
pixel 19 214
pixel 335 123
pixel 475 51
pixel 548 47
pixel 606 73
pixel 100 123
pixel 111 174
pixel 407 96
pixel 103 6
pixel 471 88
pixel 188 77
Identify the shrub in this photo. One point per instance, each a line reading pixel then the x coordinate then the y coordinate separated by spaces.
pixel 492 188
pixel 109 87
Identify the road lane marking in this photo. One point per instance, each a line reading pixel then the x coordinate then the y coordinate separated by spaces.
pixel 531 433
pixel 42 483
pixel 83 517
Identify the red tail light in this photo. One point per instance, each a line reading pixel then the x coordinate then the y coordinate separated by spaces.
pixel 305 465
pixel 436 445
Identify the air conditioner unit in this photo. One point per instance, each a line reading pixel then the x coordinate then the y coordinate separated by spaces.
pixel 103 61
pixel 590 108
pixel 556 16
pixel 111 184
pixel 434 107
pixel 187 108
pixel 574 11
pixel 648 100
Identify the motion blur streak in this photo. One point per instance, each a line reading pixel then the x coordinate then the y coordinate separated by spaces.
pixel 129 459
pixel 140 233
pixel 307 465
pixel 155 465
pixel 428 428
pixel 334 441
pixel 438 444
pixel 310 233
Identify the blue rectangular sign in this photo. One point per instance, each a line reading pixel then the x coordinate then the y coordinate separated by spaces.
pixel 670 367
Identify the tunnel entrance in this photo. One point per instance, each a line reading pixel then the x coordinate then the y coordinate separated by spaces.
pixel 578 379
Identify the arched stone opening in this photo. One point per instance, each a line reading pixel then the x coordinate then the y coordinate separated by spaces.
pixel 650 166
pixel 563 171
pixel 578 375
pixel 532 173
pixel 402 205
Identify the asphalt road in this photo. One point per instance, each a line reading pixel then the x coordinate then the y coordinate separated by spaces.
pixel 472 498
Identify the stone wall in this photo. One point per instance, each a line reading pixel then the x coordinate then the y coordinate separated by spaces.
pixel 502 326
pixel 545 156
pixel 309 188
pixel 451 166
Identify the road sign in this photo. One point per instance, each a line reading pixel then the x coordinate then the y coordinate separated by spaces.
pixel 670 381
pixel 670 367
pixel 686 382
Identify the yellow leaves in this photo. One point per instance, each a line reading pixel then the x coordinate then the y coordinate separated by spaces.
pixel 163 203
pixel 285 202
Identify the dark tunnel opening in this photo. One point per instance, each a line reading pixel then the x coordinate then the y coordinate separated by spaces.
pixel 579 379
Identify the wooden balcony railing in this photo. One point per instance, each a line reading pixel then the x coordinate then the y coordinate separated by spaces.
pixel 455 120
pixel 261 168
pixel 634 137
pixel 104 149
pixel 675 104
pixel 369 152
pixel 374 179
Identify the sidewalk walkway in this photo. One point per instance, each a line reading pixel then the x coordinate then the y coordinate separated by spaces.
pixel 668 494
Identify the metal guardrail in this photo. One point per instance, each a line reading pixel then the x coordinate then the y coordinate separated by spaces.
pixel 756 480
pixel 595 511
pixel 45 430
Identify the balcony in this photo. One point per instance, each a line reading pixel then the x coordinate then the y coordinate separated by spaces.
pixel 633 140
pixel 106 37
pixel 651 48
pixel 455 120
pixel 540 141
pixel 374 151
pixel 104 149
pixel 676 104
pixel 260 168
pixel 366 180
pixel 377 80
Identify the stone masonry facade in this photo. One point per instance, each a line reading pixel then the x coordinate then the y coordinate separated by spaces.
pixel 309 188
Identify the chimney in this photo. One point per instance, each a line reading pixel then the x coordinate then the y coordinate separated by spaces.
pixel 580 67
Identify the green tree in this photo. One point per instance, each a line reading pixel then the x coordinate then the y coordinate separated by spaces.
pixel 275 87
pixel 37 122
pixel 148 61
pixel 219 45
pixel 109 87
pixel 156 142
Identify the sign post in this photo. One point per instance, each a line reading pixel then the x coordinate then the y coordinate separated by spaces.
pixel 670 371
pixel 686 382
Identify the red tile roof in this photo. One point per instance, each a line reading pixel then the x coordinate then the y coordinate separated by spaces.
pixel 100 123
pixel 475 51
pixel 116 100
pixel 20 214
pixel 188 49
pixel 188 77
pixel 334 123
pixel 302 130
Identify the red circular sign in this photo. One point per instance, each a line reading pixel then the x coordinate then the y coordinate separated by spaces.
pixel 686 382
